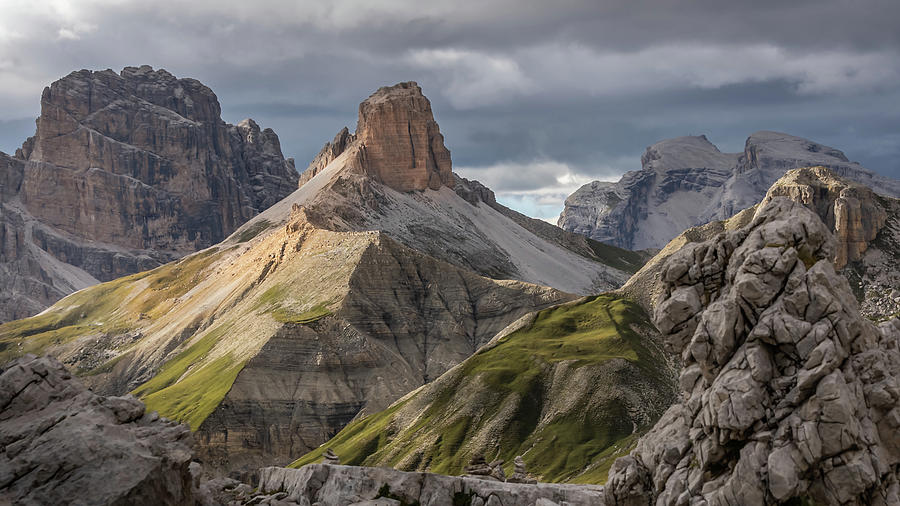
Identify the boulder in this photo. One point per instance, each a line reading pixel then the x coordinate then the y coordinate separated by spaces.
pixel 63 444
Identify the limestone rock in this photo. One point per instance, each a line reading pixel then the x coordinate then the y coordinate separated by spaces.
pixel 62 444
pixel 327 154
pixel 787 392
pixel 127 171
pixel 340 485
pixel 329 305
pixel 402 145
pixel 852 211
pixel 687 181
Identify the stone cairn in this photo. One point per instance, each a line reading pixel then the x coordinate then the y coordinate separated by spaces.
pixel 520 474
pixel 331 458
pixel 479 468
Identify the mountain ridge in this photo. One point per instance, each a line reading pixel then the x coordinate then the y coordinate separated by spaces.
pixel 687 181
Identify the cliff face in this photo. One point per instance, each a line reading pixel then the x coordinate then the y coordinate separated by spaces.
pixel 402 144
pixel 143 160
pixel 63 444
pixel 687 181
pixel 866 227
pixel 127 171
pixel 331 304
pixel 787 392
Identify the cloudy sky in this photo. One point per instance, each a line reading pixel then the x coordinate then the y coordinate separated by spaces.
pixel 534 97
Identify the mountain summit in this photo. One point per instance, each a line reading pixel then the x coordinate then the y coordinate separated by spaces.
pixel 125 172
pixel 402 145
pixel 397 142
pixel 686 182
pixel 382 271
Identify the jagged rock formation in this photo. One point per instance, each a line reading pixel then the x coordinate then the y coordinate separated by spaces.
pixel 343 485
pixel 62 444
pixel 401 144
pixel 457 221
pixel 582 380
pixel 687 181
pixel 331 304
pixel 866 227
pixel 327 154
pixel 787 392
pixel 125 172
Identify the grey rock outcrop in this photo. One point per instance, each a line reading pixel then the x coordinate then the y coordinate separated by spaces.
pixel 866 227
pixel 62 444
pixel 787 392
pixel 126 171
pixel 342 485
pixel 686 182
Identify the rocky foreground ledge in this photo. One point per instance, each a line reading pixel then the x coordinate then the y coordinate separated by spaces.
pixel 335 485
pixel 63 444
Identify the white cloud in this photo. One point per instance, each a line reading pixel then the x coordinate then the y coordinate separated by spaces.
pixel 474 78
pixel 537 188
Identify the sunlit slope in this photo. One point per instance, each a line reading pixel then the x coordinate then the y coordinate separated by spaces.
pixel 178 335
pixel 270 343
pixel 568 391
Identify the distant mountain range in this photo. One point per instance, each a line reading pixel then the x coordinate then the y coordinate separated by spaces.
pixel 686 182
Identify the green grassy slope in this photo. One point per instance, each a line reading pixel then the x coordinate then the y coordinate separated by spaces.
pixel 567 392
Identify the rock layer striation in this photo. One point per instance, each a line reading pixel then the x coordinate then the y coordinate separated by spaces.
pixel 127 171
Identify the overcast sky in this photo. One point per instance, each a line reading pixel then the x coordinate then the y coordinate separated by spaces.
pixel 534 97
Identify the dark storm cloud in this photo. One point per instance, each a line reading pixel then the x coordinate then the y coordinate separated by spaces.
pixel 534 97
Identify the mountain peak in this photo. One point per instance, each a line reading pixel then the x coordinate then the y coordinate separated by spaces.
pixel 401 143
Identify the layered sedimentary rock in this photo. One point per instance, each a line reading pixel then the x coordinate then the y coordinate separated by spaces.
pixel 866 227
pixel 583 379
pixel 127 171
pixel 788 394
pixel 687 181
pixel 63 444
pixel 402 145
pixel 331 304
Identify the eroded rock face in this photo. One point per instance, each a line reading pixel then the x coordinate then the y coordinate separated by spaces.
pixel 787 392
pixel 402 144
pixel 686 182
pixel 146 162
pixel 327 154
pixel 851 210
pixel 125 172
pixel 342 485
pixel 62 444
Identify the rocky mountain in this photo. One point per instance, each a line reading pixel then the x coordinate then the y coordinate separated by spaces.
pixel 789 395
pixel 63 444
pixel 866 227
pixel 569 388
pixel 331 304
pixel 687 181
pixel 126 171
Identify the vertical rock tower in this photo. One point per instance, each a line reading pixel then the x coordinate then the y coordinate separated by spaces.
pixel 401 144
